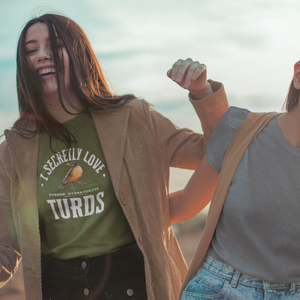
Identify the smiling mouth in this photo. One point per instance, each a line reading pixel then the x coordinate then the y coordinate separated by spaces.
pixel 47 71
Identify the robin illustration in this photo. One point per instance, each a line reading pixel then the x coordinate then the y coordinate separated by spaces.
pixel 73 175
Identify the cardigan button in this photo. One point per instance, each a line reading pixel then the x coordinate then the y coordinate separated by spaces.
pixel 83 265
pixel 123 200
pixel 86 291
pixel 130 292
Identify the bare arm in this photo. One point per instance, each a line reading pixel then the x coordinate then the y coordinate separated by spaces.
pixel 196 195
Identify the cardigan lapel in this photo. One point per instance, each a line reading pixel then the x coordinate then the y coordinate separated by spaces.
pixel 24 156
pixel 112 131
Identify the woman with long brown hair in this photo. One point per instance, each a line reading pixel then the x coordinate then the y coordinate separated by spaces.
pixel 249 248
pixel 84 173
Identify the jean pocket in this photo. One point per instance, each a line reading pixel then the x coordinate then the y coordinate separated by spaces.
pixel 133 290
pixel 205 285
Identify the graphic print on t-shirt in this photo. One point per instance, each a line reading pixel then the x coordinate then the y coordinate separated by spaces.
pixel 73 175
pixel 67 168
pixel 76 199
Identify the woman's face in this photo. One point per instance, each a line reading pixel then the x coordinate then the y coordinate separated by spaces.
pixel 297 75
pixel 38 48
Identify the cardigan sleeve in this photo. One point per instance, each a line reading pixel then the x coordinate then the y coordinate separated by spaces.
pixel 9 254
pixel 211 108
pixel 183 147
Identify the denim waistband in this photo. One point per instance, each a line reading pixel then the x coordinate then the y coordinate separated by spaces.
pixel 229 273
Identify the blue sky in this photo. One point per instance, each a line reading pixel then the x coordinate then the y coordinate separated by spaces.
pixel 250 45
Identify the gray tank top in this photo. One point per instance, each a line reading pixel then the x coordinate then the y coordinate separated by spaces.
pixel 258 232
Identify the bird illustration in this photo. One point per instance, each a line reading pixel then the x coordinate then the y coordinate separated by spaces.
pixel 73 175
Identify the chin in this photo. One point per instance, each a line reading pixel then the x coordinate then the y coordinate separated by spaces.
pixel 50 93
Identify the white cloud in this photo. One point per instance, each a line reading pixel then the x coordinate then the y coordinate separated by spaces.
pixel 249 45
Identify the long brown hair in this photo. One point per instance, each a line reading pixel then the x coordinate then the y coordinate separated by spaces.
pixel 86 76
pixel 292 97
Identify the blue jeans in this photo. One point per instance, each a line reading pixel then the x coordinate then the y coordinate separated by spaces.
pixel 216 280
pixel 115 276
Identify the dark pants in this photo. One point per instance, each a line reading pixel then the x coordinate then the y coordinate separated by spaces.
pixel 115 276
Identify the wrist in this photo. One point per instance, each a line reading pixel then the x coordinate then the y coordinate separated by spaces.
pixel 205 92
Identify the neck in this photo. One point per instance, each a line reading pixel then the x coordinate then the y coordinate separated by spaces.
pixel 72 105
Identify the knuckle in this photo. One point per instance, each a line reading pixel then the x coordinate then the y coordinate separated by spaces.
pixel 176 64
pixel 181 69
pixel 194 66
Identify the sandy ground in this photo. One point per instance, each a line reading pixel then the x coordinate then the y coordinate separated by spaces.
pixel 14 289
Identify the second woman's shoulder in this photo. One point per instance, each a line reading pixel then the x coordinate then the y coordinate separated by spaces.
pixel 234 117
pixel 230 122
pixel 222 135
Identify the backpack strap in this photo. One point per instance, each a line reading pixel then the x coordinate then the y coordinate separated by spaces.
pixel 248 130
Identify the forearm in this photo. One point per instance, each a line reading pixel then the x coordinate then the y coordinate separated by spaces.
pixel 210 108
pixel 196 195
pixel 206 92
pixel 183 207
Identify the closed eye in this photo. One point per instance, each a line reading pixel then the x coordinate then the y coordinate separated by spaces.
pixel 30 51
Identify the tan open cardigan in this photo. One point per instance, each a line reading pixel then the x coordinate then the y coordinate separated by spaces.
pixel 139 146
pixel 251 126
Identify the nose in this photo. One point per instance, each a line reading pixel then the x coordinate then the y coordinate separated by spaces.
pixel 44 54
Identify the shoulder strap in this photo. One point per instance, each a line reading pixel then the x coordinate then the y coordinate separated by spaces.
pixel 248 130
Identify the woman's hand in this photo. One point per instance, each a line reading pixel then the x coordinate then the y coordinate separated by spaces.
pixel 191 75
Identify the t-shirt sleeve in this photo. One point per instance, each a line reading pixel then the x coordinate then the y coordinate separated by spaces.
pixel 223 134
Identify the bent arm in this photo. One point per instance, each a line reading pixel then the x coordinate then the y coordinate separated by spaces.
pixel 196 195
pixel 207 96
pixel 184 148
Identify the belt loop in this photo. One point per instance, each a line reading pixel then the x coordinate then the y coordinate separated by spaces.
pixel 235 279
pixel 293 288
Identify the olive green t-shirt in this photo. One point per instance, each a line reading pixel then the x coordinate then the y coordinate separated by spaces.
pixel 79 212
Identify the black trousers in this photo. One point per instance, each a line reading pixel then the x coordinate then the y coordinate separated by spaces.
pixel 114 276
